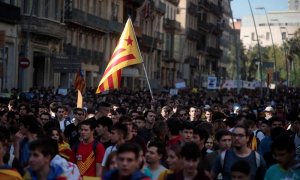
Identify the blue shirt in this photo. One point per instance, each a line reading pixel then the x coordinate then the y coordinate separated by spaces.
pixel 276 172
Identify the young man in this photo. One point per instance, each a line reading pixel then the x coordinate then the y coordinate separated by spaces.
pixel 187 131
pixel 190 155
pixel 240 151
pixel 140 122
pixel 146 133
pixel 102 110
pixel 200 136
pixel 42 152
pixel 128 162
pixel 103 131
pixel 5 171
pixel 128 122
pixel 174 126
pixel 88 154
pixel 208 116
pixel 193 113
pixel 71 131
pixel 269 111
pixel 284 151
pixel 44 118
pixel 60 115
pixel 153 157
pixel 118 135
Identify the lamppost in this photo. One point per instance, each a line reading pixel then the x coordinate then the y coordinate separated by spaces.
pixel 285 54
pixel 259 52
pixel 274 53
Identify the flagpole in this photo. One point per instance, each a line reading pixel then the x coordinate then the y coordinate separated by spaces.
pixel 151 93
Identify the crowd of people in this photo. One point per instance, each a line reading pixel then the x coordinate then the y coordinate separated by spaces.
pixel 126 135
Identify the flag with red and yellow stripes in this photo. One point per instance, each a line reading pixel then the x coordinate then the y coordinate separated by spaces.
pixel 126 53
pixel 79 83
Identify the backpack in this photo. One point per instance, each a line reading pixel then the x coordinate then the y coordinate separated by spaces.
pixel 76 146
pixel 224 155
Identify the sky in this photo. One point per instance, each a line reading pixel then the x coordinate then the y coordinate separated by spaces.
pixel 240 8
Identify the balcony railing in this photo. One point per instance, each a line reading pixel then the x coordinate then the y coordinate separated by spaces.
pixel 193 61
pixel 214 51
pixel 115 26
pixel 159 36
pixel 175 2
pixel 43 27
pixel 216 9
pixel 85 19
pixel 148 42
pixel 193 34
pixel 203 26
pixel 9 13
pixel 192 9
pixel 161 7
pixel 171 24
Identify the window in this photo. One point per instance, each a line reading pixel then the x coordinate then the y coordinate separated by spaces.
pixel 25 5
pixel 56 10
pixel 46 8
pixel 36 8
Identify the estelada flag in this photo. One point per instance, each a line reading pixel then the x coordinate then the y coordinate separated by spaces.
pixel 79 82
pixel 126 53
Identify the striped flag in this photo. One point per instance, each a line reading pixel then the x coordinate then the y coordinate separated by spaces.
pixel 126 53
pixel 79 82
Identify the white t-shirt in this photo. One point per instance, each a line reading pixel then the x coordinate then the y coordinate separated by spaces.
pixel 108 150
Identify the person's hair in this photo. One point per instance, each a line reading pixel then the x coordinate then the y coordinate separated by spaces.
pixel 223 132
pixel 53 107
pixel 174 126
pixel 13 103
pixel 129 147
pixel 241 166
pixel 120 128
pixel 283 142
pixel 159 145
pixel 105 122
pixel 266 122
pixel 102 104
pixel 88 122
pixel 187 125
pixel 201 132
pixel 121 110
pixel 125 118
pixel 140 118
pixel 30 123
pixel 46 114
pixel 49 133
pixel 146 113
pixel 75 111
pixel 247 133
pixel 190 151
pixel 176 148
pixel 61 107
pixel 46 146
pixel 159 127
pixel 109 160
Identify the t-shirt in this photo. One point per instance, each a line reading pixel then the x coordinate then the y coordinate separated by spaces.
pixel 276 172
pixel 108 150
pixel 231 158
pixel 155 173
pixel 85 158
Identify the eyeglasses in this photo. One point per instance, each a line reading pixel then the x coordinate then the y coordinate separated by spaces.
pixel 238 135
pixel 80 114
pixel 182 114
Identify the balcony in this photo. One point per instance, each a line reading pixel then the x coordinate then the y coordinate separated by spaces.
pixel 203 26
pixel 148 42
pixel 170 24
pixel 168 56
pixel 216 9
pixel 82 18
pixel 9 13
pixel 192 9
pixel 215 52
pixel 193 34
pixel 115 26
pixel 97 57
pixel 136 3
pixel 215 29
pixel 175 2
pixel 204 4
pixel 65 64
pixel 161 8
pixel 192 61
pixel 44 27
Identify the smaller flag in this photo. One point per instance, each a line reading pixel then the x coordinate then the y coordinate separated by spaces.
pixel 79 82
pixel 79 99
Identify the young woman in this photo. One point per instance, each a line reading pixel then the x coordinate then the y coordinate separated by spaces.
pixel 63 147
